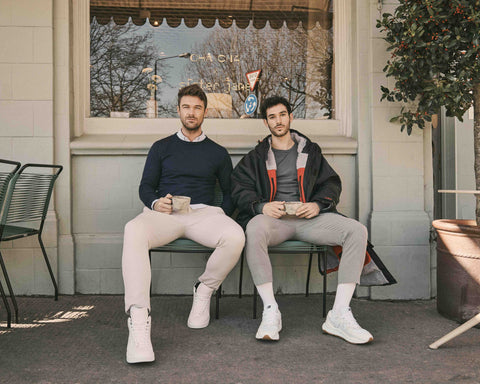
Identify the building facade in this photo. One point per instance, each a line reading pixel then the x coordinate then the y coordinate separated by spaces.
pixel 45 116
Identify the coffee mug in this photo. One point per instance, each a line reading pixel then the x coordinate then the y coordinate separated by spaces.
pixel 180 204
pixel 292 206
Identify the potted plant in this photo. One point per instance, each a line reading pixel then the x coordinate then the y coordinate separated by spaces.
pixel 435 48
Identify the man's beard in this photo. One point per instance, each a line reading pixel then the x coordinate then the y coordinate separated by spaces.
pixel 281 134
pixel 194 127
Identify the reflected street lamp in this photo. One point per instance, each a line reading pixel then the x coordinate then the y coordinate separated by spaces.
pixel 156 79
pixel 185 55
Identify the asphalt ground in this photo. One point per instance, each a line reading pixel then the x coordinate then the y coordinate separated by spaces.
pixel 82 339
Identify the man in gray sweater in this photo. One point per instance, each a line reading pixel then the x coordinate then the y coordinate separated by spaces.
pixel 286 166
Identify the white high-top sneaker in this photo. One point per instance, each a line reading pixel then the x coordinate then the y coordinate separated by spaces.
pixel 139 347
pixel 271 324
pixel 200 313
pixel 345 326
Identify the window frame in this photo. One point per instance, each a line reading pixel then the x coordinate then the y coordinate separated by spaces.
pixel 84 124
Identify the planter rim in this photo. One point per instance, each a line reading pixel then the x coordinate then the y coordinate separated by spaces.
pixel 457 226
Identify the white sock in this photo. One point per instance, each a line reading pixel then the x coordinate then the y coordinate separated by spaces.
pixel 343 297
pixel 203 290
pixel 266 293
pixel 138 313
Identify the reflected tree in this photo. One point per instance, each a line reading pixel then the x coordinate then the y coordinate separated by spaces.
pixel 319 74
pixel 296 64
pixel 118 53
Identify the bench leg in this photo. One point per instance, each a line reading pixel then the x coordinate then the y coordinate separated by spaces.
pixel 217 302
pixel 150 258
pixel 324 260
pixel 255 302
pixel 241 274
pixel 308 275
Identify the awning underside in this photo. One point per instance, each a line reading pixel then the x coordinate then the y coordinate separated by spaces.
pixel 276 12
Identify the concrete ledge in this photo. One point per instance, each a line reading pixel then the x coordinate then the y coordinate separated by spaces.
pixel 139 144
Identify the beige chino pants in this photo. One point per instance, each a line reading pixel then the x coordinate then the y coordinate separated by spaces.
pixel 208 226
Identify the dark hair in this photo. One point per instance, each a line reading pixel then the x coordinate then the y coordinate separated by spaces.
pixel 193 90
pixel 272 101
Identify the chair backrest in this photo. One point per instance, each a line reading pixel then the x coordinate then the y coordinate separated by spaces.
pixel 7 170
pixel 29 194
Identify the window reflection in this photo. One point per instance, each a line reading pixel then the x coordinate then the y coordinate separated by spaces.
pixel 136 68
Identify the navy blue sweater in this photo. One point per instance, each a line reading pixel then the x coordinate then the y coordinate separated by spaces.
pixel 188 169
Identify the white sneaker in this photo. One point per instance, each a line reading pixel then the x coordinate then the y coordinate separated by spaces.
pixel 345 326
pixel 271 324
pixel 139 347
pixel 200 313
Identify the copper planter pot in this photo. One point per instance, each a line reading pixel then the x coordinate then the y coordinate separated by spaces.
pixel 458 268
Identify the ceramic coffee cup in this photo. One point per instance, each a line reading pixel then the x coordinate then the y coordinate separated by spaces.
pixel 180 204
pixel 292 206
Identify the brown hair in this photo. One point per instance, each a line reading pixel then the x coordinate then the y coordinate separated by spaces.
pixel 193 90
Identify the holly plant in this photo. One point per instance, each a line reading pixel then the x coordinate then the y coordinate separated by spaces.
pixel 435 48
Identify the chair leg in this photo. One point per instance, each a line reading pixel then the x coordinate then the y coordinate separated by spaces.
pixel 255 302
pixel 308 274
pixel 241 274
pixel 9 286
pixel 217 302
pixel 324 260
pixel 7 307
pixel 48 266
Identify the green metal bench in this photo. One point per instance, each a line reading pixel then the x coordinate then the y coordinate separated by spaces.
pixel 183 245
pixel 25 210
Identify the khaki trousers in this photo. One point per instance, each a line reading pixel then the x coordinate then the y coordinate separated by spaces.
pixel 208 226
pixel 324 229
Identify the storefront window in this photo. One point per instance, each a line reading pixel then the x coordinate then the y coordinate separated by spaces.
pixel 142 52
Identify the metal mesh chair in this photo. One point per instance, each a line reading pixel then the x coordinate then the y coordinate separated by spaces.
pixel 25 210
pixel 7 170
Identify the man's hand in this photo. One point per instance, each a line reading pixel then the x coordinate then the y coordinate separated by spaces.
pixel 308 210
pixel 164 204
pixel 275 209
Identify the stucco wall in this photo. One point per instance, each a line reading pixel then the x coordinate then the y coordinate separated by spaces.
pixel 105 196
pixel 399 222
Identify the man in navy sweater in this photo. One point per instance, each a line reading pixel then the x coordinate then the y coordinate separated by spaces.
pixel 185 164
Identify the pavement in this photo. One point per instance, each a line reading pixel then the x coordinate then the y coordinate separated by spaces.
pixel 82 339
